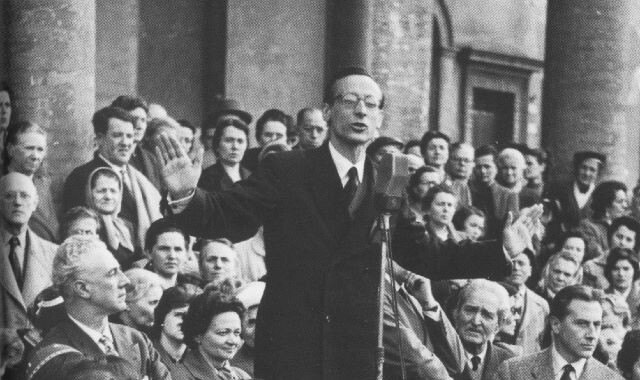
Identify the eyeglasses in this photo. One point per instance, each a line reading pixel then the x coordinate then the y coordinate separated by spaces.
pixel 352 100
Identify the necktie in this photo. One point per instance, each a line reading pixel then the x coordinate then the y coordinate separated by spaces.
pixel 475 362
pixel 566 375
pixel 352 185
pixel 126 181
pixel 13 260
pixel 107 346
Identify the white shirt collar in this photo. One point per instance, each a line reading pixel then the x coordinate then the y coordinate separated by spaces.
pixel 343 165
pixel 22 236
pixel 95 335
pixel 115 167
pixel 481 355
pixel 558 363
pixel 582 198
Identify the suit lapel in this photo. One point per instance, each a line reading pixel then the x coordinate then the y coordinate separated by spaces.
pixel 8 279
pixel 79 340
pixel 36 277
pixel 543 369
pixel 124 344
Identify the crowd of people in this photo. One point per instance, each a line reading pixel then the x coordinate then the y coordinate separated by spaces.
pixel 178 252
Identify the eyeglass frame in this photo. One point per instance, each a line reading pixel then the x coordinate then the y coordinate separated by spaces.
pixel 369 106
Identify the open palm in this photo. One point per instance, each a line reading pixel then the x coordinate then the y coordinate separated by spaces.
pixel 517 235
pixel 179 171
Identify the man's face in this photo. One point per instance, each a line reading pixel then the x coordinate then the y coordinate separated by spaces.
pixel 562 273
pixel 232 145
pixel 313 130
pixel 534 169
pixel 19 200
pixel 462 160
pixel 104 283
pixel 436 152
pixel 521 270
pixel 575 247
pixel 355 115
pixel 509 171
pixel 477 319
pixel 219 262
pixel 273 131
pixel 168 253
pixel 623 237
pixel 576 335
pixel 442 209
pixel 588 171
pixel 485 169
pixel 249 332
pixel 118 143
pixel 622 275
pixel 172 326
pixel 28 152
pixel 5 109
pixel 140 125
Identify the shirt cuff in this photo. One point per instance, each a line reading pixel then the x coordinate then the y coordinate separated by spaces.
pixel 178 205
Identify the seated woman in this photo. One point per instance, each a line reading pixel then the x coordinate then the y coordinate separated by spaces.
pixel 608 202
pixel 229 144
pixel 624 232
pixel 143 295
pixel 212 330
pixel 439 205
pixel 104 196
pixel 622 272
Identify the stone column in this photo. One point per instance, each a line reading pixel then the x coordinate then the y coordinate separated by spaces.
pixel 348 35
pixel 52 69
pixel 587 72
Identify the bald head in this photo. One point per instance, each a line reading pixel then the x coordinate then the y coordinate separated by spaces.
pixel 18 200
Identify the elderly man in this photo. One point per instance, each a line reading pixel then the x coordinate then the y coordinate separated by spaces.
pixel 26 150
pixel 576 317
pixel 482 309
pixel 317 317
pixel 93 287
pixel 574 195
pixel 561 271
pixel 312 128
pixel 115 135
pixel 511 165
pixel 218 261
pixel 27 259
pixel 460 168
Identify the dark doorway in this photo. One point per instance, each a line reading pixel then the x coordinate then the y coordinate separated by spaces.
pixel 492 117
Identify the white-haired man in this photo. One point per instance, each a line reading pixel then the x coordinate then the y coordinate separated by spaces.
pixel 94 287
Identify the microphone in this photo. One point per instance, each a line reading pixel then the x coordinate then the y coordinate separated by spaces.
pixel 391 180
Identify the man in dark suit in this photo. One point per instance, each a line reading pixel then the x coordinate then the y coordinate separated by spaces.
pixel 93 287
pixel 317 317
pixel 489 196
pixel 576 316
pixel 482 308
pixel 574 196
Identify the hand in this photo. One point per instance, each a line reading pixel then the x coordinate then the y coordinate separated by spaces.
pixel 179 171
pixel 11 348
pixel 420 288
pixel 517 235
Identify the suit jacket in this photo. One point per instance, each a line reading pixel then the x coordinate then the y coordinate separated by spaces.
pixel 44 220
pixel 497 207
pixel 539 366
pixel 570 213
pixel 595 238
pixel 317 318
pixel 145 162
pixel 495 356
pixel 13 301
pixel 131 345
pixel 74 189
pixel 215 178
pixel 533 323
pixel 195 367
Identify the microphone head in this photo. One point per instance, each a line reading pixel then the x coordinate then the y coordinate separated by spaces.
pixel 391 180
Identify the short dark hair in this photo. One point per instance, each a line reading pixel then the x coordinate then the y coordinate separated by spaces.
pixel 172 298
pixel 540 154
pixel 619 254
pixel 487 150
pixel 271 115
pixel 463 214
pixel 187 124
pixel 222 126
pixel 629 353
pixel 568 235
pixel 76 213
pixel 604 195
pixel 303 113
pixel 631 223
pixel 15 130
pixel 159 227
pixel 415 178
pixel 431 194
pixel 101 118
pixel 201 311
pixel 410 144
pixel 129 103
pixel 329 90
pixel 4 86
pixel 430 135
pixel 560 303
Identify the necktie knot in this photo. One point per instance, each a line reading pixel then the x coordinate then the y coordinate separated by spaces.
pixel 14 242
pixel 475 362
pixel 107 345
pixel 567 370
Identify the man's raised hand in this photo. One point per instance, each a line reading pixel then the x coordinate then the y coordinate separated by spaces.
pixel 179 170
